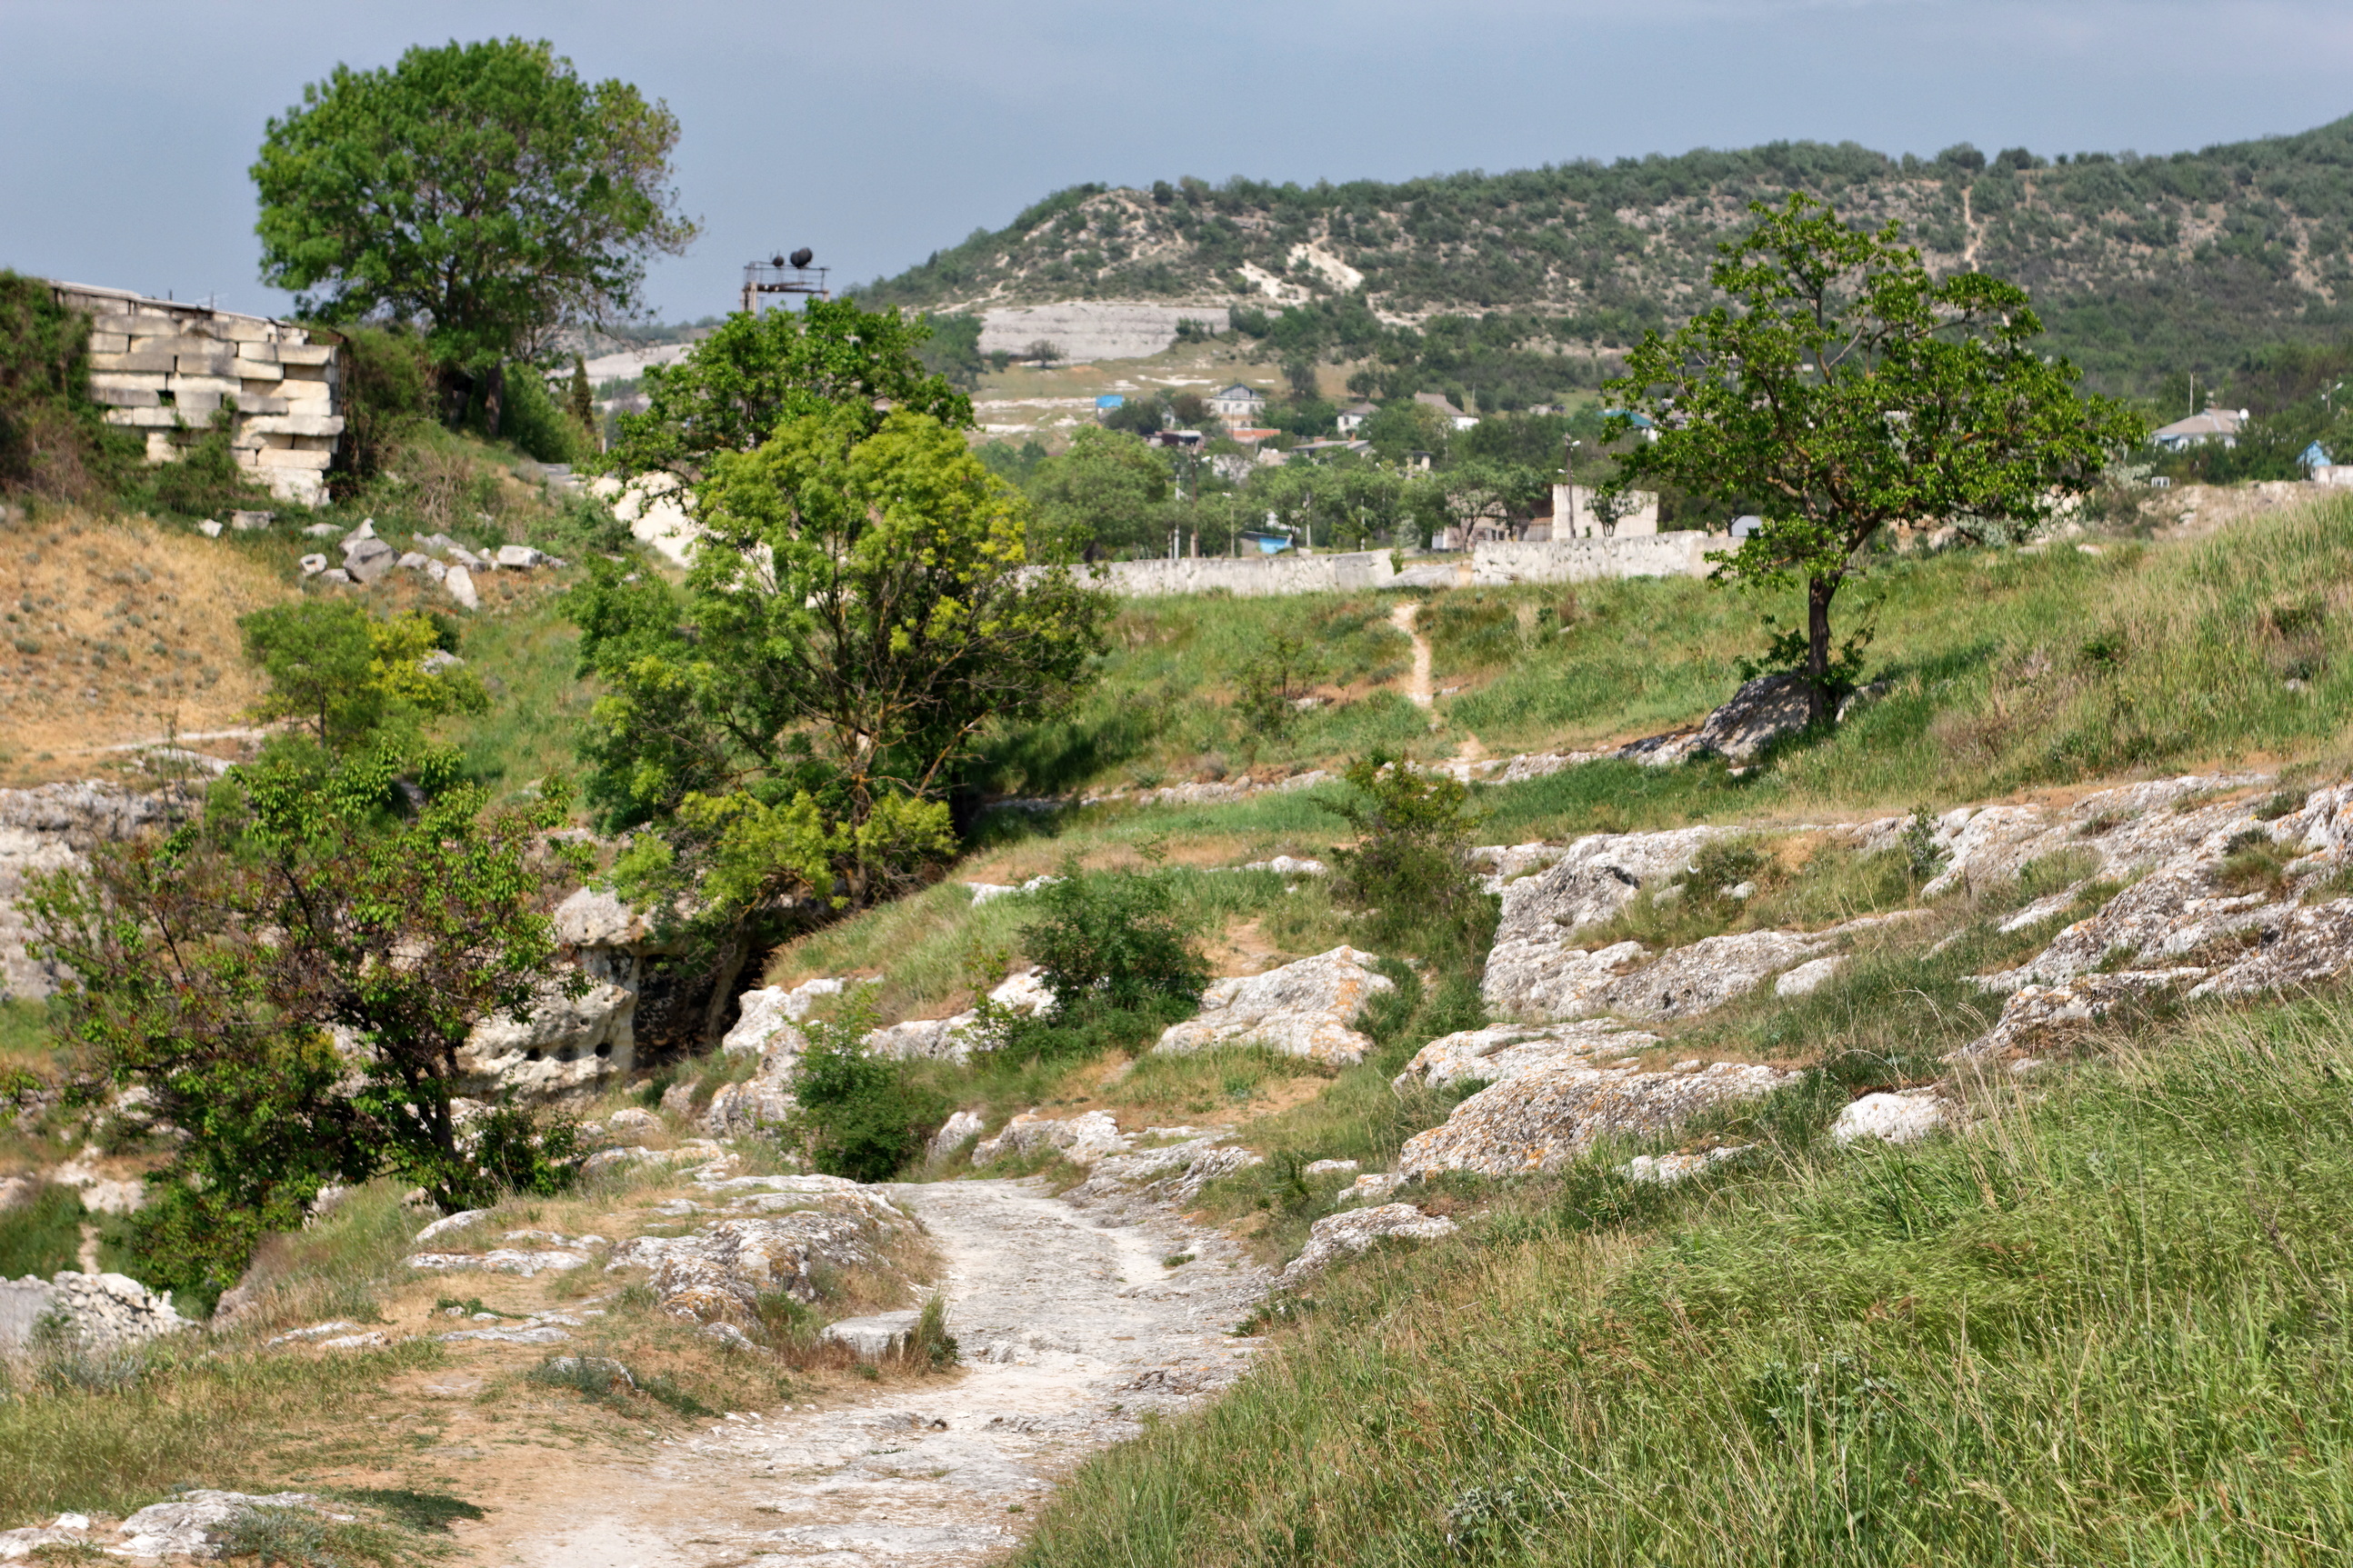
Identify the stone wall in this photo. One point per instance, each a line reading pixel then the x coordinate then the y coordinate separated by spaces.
pixel 1678 555
pixel 1252 576
pixel 163 368
pixel 1491 565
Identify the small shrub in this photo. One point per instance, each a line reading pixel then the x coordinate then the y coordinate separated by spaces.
pixel 1410 860
pixel 1270 683
pixel 2286 803
pixel 929 1344
pixel 1918 842
pixel 1113 942
pixel 860 1116
pixel 2252 863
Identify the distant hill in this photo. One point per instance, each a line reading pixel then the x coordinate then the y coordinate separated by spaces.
pixel 2144 267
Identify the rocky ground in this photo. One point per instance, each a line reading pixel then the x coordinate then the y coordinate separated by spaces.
pixel 1073 1330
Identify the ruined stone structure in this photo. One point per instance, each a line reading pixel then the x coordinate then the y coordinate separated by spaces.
pixel 166 369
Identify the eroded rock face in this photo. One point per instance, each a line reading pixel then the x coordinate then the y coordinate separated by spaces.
pixel 44 831
pixel 1352 1231
pixel 719 1273
pixel 1303 1009
pixel 1081 1139
pixel 1536 969
pixel 1542 1120
pixel 1509 1050
pixel 567 1044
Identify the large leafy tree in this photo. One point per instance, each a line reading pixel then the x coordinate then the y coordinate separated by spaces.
pixel 866 601
pixel 289 980
pixel 1842 390
pixel 1109 490
pixel 483 189
pixel 735 386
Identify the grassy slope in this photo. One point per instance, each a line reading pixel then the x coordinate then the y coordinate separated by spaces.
pixel 2105 1326
pixel 2005 670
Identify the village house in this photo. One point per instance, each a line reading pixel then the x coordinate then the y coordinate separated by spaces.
pixel 1353 418
pixel 2214 424
pixel 1445 406
pixel 1238 402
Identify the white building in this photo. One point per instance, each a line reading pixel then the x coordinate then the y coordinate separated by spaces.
pixel 2214 424
pixel 1238 402
pixel 1440 401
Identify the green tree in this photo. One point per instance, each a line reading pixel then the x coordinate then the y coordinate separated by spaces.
pixel 345 675
pixel 866 602
pixel 482 189
pixel 1849 390
pixel 291 979
pixel 1408 426
pixel 580 401
pixel 757 371
pixel 857 1115
pixel 1110 491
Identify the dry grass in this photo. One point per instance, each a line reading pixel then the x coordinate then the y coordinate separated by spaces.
pixel 117 630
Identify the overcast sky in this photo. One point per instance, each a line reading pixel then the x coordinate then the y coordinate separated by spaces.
pixel 880 131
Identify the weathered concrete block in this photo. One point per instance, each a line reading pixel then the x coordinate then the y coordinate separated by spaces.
pixel 140 361
pixel 261 405
pixel 109 343
pixel 204 385
pixel 216 362
pixel 307 353
pixel 292 457
pixel 144 418
pixel 124 396
pixel 298 424
pixel 256 370
pixel 248 328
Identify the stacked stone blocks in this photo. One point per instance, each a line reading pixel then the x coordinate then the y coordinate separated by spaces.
pixel 165 368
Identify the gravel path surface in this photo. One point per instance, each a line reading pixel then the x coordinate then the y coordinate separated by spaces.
pixel 1070 1330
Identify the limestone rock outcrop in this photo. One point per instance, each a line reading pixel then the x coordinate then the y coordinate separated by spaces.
pixel 719 1273
pixel 1304 1009
pixel 1542 1120
pixel 1509 1050
pixel 1353 1230
pixel 46 830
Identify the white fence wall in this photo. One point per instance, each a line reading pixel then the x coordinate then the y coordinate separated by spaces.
pixel 1679 555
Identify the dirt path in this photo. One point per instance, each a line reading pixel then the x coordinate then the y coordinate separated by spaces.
pixel 1417 684
pixel 1070 1330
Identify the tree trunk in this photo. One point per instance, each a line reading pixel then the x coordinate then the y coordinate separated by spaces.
pixel 1818 646
pixel 494 397
pixel 734 947
pixel 457 392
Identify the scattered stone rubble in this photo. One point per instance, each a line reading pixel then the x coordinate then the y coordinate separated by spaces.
pixel 99 1310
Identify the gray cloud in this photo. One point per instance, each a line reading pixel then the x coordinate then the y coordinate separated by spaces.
pixel 879 133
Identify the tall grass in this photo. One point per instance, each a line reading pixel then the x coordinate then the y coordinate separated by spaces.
pixel 2109 1325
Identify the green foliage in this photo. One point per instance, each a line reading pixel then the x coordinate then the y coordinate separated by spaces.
pixel 1271 682
pixel 1112 940
pixel 757 372
pixel 43 1236
pixel 348 676
pixel 867 603
pixel 483 189
pixel 859 1115
pixel 953 350
pixel 217 965
pixel 1109 490
pixel 387 394
pixel 54 440
pixel 1852 391
pixel 1410 860
pixel 534 418
pixel 416 1510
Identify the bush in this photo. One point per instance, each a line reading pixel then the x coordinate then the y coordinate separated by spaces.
pixel 1410 862
pixel 859 1115
pixel 534 419
pixel 387 393
pixel 54 440
pixel 1112 941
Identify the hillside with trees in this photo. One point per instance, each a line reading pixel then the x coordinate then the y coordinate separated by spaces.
pixel 2142 266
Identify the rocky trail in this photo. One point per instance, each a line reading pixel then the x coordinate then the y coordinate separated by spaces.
pixel 1070 1330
